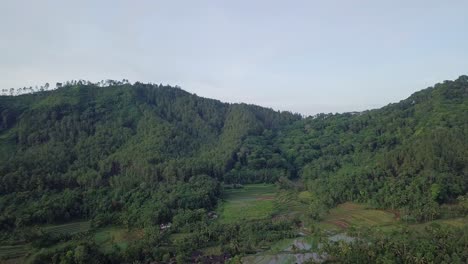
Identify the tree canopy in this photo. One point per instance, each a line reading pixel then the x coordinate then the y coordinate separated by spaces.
pixel 141 155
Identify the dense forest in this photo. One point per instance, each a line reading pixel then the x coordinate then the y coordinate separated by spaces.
pixel 143 155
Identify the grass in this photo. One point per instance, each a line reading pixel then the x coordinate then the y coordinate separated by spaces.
pixel 17 251
pixel 178 236
pixel 251 192
pixel 109 237
pixel 212 251
pixel 69 228
pixel 353 214
pixel 106 238
pixel 305 196
pixel 252 202
pixel 20 250
pixel 245 211
pixel 453 222
pixel 292 203
pixel 14 251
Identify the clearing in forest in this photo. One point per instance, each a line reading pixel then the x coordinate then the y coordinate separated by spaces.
pixel 453 222
pixel 251 202
pixel 69 228
pixel 16 253
pixel 110 237
pixel 13 251
pixel 353 214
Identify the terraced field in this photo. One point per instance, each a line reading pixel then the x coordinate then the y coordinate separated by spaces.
pixel 454 222
pixel 252 202
pixel 352 214
pixel 109 237
pixel 69 228
pixel 292 203
pixel 13 251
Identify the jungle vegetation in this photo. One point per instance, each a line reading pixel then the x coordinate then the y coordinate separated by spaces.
pixel 142 155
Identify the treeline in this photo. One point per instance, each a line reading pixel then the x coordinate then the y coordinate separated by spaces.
pixel 156 245
pixel 48 87
pixel 434 244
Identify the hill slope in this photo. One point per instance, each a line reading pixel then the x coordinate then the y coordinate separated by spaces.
pixel 138 156
pixel 411 155
pixel 83 138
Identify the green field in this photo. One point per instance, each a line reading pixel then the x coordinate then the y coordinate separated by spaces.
pixel 291 203
pixel 454 222
pixel 13 251
pixel 252 202
pixel 353 214
pixel 69 228
pixel 109 237
pixel 21 250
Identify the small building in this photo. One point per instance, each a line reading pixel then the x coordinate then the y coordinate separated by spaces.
pixel 164 226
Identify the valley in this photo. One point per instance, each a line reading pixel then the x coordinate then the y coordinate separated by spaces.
pixel 146 173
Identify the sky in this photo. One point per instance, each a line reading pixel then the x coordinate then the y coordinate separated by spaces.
pixel 303 56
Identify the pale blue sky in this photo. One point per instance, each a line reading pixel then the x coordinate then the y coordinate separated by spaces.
pixel 303 56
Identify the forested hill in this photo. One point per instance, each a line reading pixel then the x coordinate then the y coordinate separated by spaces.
pixel 135 154
pixel 120 136
pixel 411 155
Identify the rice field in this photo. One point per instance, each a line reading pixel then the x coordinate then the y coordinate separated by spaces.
pixel 109 237
pixel 13 251
pixel 453 222
pixel 353 214
pixel 69 228
pixel 292 203
pixel 252 202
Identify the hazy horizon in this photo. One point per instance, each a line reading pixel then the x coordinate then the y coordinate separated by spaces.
pixel 298 56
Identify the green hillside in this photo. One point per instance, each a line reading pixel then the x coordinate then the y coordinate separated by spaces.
pixel 138 156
